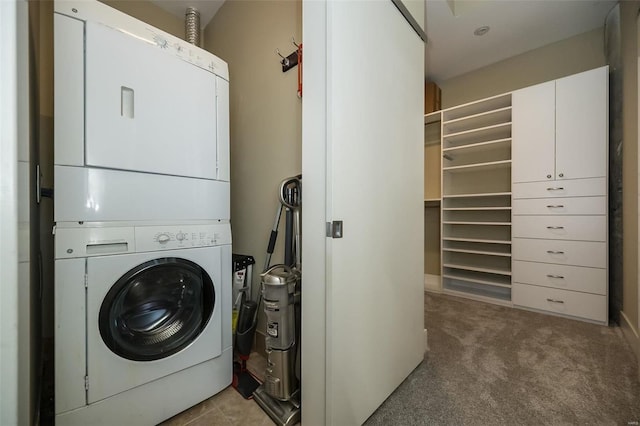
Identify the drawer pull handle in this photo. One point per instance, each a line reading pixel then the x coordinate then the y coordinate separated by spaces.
pixel 560 277
pixel 554 252
pixel 555 301
pixel 557 206
pixel 555 227
pixel 557 188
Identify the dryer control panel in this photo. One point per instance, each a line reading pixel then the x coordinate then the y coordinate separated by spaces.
pixel 151 238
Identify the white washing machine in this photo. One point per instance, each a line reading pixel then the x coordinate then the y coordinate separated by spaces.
pixel 141 121
pixel 142 207
pixel 143 320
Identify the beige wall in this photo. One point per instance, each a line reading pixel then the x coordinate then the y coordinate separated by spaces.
pixel 566 57
pixel 148 12
pixel 432 189
pixel 628 14
pixel 266 144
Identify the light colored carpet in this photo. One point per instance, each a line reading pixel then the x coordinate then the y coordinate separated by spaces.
pixel 492 365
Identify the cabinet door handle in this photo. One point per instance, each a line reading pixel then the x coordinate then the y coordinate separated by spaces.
pixel 555 227
pixel 557 206
pixel 554 252
pixel 555 301
pixel 560 277
pixel 557 188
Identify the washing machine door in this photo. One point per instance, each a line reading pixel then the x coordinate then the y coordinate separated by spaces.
pixel 153 314
pixel 156 309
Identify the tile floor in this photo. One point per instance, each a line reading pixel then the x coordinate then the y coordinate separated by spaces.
pixel 227 408
pixel 224 409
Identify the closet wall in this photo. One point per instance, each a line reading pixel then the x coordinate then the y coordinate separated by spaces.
pixel 432 189
pixel 573 55
pixel 266 120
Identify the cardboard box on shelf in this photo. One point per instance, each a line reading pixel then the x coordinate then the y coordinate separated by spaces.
pixel 431 97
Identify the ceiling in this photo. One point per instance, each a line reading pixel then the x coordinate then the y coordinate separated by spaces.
pixel 516 26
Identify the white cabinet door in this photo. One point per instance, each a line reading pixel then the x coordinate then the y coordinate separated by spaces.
pixel 533 133
pixel 582 102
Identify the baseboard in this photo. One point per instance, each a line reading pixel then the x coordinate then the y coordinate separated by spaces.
pixel 432 283
pixel 631 334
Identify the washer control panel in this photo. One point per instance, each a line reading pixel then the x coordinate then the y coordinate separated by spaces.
pixel 149 238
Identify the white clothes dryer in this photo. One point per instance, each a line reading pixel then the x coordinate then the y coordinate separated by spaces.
pixel 142 320
pixel 141 121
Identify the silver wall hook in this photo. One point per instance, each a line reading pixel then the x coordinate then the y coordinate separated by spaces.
pixel 284 61
pixel 293 40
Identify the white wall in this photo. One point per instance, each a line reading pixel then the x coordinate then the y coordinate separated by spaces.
pixel 8 217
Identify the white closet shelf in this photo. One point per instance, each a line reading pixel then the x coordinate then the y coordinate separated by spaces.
pixel 469 135
pixel 476 269
pixel 458 222
pixel 479 147
pixel 484 119
pixel 501 164
pixel 476 208
pixel 433 117
pixel 461 277
pixel 478 107
pixel 476 240
pixel 484 252
pixel 481 194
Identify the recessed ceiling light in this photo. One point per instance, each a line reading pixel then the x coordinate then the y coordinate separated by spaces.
pixel 480 31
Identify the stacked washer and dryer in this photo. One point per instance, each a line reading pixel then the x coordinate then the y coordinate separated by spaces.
pixel 142 235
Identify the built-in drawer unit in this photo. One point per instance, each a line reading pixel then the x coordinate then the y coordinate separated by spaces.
pixel 581 228
pixel 561 206
pixel 566 188
pixel 583 305
pixel 577 253
pixel 576 278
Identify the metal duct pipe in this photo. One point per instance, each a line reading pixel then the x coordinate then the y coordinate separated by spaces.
pixel 192 25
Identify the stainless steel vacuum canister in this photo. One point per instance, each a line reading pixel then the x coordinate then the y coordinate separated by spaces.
pixel 278 289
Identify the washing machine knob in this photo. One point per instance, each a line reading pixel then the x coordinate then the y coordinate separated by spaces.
pixel 163 238
pixel 180 236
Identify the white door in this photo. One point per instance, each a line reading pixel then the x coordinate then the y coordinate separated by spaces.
pixel 363 297
pixel 533 133
pixel 582 125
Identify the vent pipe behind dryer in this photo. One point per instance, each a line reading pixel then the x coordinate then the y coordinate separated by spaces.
pixel 192 25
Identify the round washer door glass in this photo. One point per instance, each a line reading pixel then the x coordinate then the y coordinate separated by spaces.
pixel 156 309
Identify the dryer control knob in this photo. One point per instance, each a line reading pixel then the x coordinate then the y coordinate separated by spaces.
pixel 179 236
pixel 163 238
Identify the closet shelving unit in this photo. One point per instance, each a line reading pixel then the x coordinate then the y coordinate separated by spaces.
pixel 476 199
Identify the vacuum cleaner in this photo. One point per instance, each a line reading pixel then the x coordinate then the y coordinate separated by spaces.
pixel 279 394
pixel 244 322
